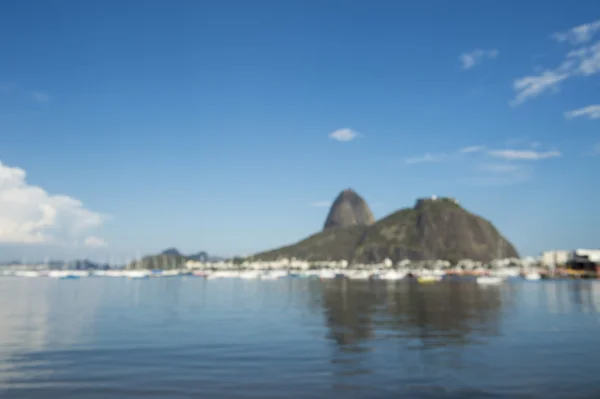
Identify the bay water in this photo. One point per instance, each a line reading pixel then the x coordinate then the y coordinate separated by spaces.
pixel 187 337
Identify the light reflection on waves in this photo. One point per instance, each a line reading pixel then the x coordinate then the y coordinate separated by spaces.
pixel 185 370
pixel 295 339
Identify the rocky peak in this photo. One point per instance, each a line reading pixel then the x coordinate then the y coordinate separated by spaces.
pixel 349 209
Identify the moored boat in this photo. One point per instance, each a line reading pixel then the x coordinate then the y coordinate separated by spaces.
pixel 532 276
pixel 429 279
pixel 489 280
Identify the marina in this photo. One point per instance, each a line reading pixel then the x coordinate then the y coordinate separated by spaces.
pixel 574 264
pixel 422 275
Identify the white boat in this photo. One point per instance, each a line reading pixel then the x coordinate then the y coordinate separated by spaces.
pixel 326 274
pixel 27 273
pixel 269 276
pixel 392 275
pixel 170 273
pixel 509 272
pixel 249 275
pixel 358 275
pixel 136 274
pixel 221 274
pixel 532 276
pixel 58 273
pixel 488 280
pixel 428 278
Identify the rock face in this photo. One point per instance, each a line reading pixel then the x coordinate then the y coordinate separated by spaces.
pixel 432 229
pixel 349 209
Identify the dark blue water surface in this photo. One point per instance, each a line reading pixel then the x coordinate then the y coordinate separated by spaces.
pixel 296 338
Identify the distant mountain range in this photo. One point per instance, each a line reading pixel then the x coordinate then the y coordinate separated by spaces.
pixel 79 264
pixel 171 258
pixel 435 228
pixel 167 259
pixel 201 256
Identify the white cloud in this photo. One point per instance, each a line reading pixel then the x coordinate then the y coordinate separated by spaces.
pixel 532 86
pixel 588 58
pixel 579 34
pixel 474 148
pixel 591 111
pixel 584 61
pixel 343 134
pixel 525 155
pixel 475 57
pixel 28 214
pixel 94 242
pixel 321 204
pixel 427 158
pixel 41 97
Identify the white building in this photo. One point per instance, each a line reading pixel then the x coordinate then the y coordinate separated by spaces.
pixel 555 257
pixel 593 255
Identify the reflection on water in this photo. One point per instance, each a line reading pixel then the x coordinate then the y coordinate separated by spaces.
pixel 443 314
pixel 294 338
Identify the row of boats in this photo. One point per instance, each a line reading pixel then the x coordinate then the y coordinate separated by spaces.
pixel 422 275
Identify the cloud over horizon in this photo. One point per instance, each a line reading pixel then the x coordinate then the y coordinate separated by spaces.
pixel 30 215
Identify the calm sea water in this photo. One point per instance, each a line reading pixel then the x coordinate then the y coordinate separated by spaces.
pixel 294 338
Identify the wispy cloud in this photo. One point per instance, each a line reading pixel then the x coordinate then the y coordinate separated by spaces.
pixel 511 166
pixel 584 61
pixel 94 242
pixel 473 148
pixel 475 57
pixel 591 112
pixel 344 134
pixel 578 34
pixel 532 86
pixel 320 204
pixel 427 158
pixel 442 157
pixel 500 174
pixel 41 97
pixel 524 155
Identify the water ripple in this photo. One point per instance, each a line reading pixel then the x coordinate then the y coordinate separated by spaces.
pixel 189 338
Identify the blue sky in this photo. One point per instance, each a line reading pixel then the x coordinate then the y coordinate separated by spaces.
pixel 213 125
